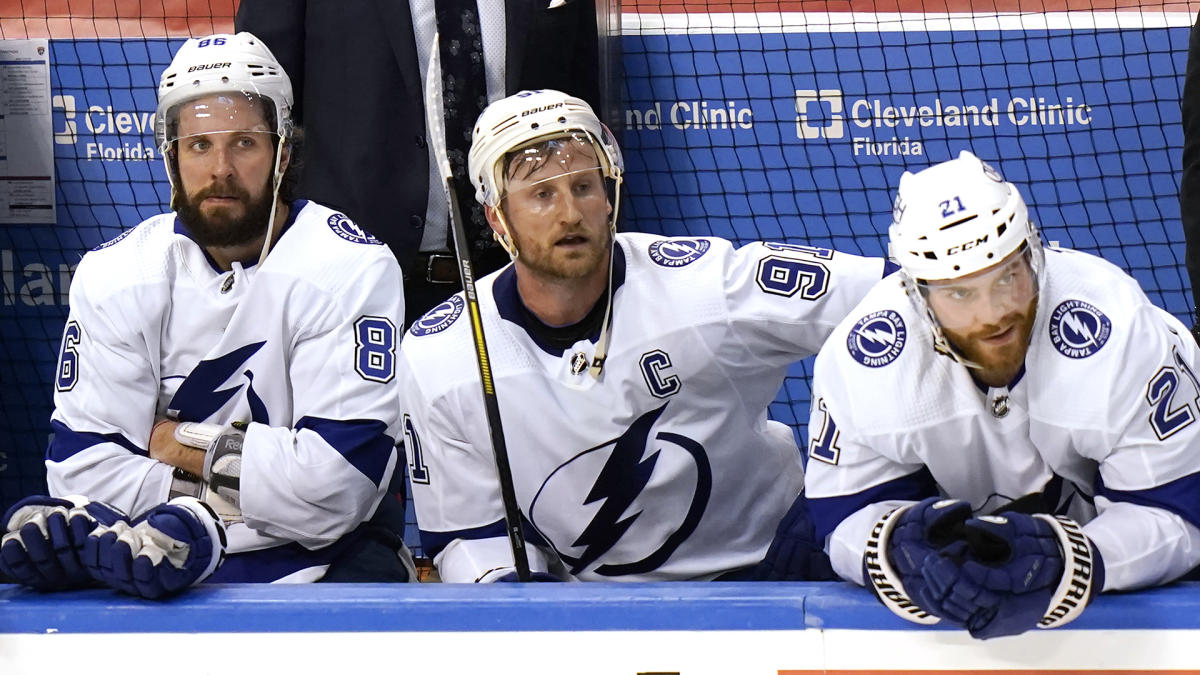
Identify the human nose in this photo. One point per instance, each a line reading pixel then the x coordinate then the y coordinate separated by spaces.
pixel 571 212
pixel 222 161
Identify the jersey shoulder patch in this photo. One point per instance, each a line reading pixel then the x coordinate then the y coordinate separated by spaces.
pixel 1078 329
pixel 439 318
pixel 346 229
pixel 877 339
pixel 678 252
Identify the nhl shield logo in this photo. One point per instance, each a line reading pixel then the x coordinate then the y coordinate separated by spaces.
pixel 346 229
pixel 677 252
pixel 877 339
pixel 1078 330
pixel 439 318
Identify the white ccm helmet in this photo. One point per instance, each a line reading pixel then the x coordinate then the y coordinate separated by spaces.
pixel 954 219
pixel 527 118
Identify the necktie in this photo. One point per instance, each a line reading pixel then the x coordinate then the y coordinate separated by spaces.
pixel 464 93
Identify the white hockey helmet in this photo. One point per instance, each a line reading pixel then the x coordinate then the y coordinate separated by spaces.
pixel 956 218
pixel 527 117
pixel 217 64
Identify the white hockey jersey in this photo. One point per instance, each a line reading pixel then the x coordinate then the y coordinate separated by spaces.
pixel 1102 419
pixel 303 346
pixel 665 469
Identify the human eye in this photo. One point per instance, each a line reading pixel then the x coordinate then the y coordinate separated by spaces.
pixel 959 294
pixel 198 145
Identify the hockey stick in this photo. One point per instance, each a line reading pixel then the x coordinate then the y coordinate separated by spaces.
pixel 434 121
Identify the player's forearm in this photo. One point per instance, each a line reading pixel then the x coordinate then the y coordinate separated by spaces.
pixel 164 448
pixel 1142 546
pixel 300 486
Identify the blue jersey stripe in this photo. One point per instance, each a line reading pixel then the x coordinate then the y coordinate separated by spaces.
pixel 67 442
pixel 270 564
pixel 432 542
pixel 829 512
pixel 364 443
pixel 1180 496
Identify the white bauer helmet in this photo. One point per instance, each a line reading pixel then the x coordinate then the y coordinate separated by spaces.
pixel 527 118
pixel 954 219
pixel 224 63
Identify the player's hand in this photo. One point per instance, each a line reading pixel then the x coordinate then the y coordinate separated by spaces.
pixel 222 446
pixel 43 537
pixel 1009 575
pixel 902 543
pixel 795 554
pixel 167 549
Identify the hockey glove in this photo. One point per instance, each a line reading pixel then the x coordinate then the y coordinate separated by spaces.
pixel 222 448
pixel 1010 575
pixel 43 537
pixel 899 547
pixel 795 554
pixel 167 549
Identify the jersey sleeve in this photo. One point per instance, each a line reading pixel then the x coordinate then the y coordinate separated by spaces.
pixel 851 480
pixel 456 491
pixel 106 388
pixel 1148 485
pixel 785 299
pixel 314 478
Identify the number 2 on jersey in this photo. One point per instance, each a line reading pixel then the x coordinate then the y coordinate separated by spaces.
pixel 1165 417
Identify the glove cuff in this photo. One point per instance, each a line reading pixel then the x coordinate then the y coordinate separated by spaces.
pixel 213 525
pixel 1082 573
pixel 883 579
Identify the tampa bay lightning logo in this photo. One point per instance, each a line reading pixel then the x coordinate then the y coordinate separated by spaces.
pixel 214 382
pixel 678 252
pixel 114 240
pixel 346 229
pixel 877 339
pixel 1078 330
pixel 639 508
pixel 439 318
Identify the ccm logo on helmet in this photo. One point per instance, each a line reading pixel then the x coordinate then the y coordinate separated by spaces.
pixel 209 66
pixel 543 108
pixel 967 246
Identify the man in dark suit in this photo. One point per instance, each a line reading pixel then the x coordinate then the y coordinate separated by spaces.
pixel 357 68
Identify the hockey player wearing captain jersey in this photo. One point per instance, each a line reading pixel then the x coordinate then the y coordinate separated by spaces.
pixel 1003 430
pixel 226 399
pixel 632 371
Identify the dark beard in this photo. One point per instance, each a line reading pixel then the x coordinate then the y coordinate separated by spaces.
pixel 222 230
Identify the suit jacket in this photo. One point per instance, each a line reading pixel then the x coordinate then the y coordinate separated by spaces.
pixel 1189 182
pixel 360 97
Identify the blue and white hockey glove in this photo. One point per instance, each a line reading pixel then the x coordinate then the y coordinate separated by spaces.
pixel 795 554
pixel 43 537
pixel 1015 571
pixel 899 547
pixel 167 549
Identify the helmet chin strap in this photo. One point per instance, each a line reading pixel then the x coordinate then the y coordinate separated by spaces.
pixel 276 181
pixel 505 241
pixel 596 369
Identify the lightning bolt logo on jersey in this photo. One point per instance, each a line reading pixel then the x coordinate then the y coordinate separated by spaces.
pixel 1078 329
pixel 301 347
pixel 664 469
pixel 619 530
